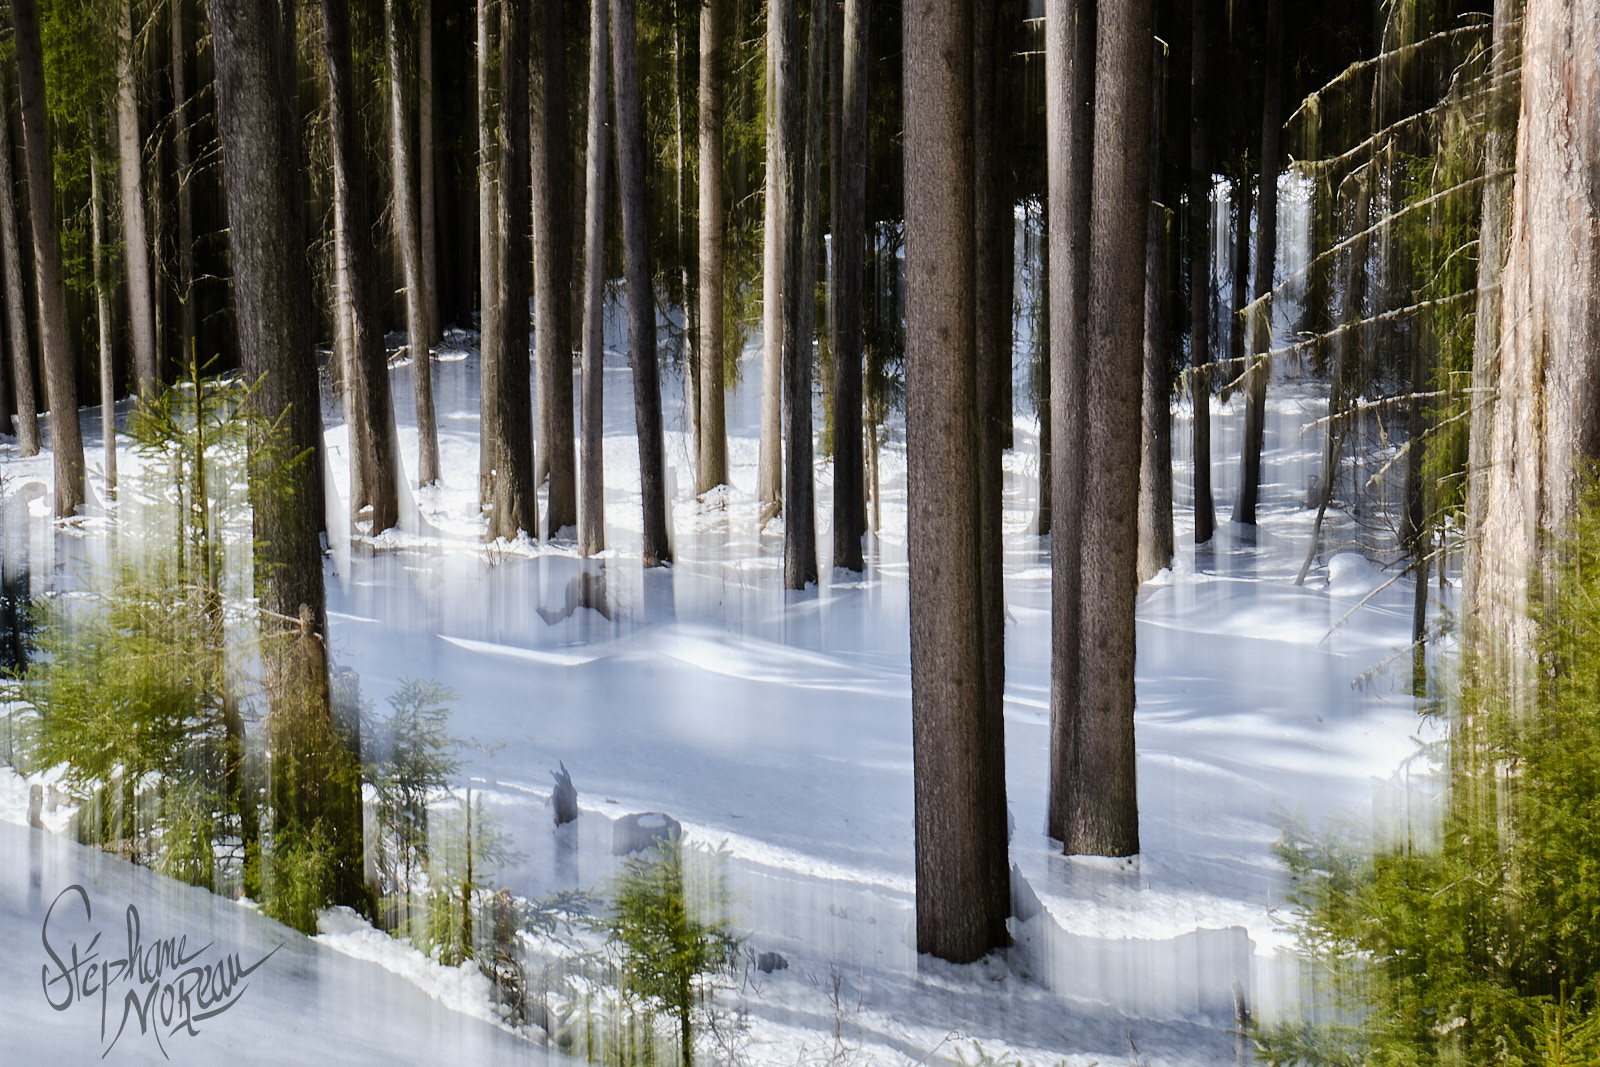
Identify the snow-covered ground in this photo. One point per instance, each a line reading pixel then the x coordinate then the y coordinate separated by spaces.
pixel 777 724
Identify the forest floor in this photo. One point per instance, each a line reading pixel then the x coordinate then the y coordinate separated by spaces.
pixel 776 725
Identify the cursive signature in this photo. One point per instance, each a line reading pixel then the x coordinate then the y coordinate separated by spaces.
pixel 161 984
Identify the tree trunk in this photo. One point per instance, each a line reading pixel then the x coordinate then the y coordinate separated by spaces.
pixel 1546 418
pixel 1104 821
pixel 516 501
pixel 800 309
pixel 712 465
pixel 27 400
pixel 408 228
pixel 102 305
pixel 592 515
pixel 552 227
pixel 782 27
pixel 60 365
pixel 1258 326
pixel 961 855
pixel 188 316
pixel 373 441
pixel 1155 453
pixel 1493 236
pixel 427 148
pixel 266 228
pixel 490 335
pixel 641 294
pixel 1042 382
pixel 136 244
pixel 1205 512
pixel 848 199
pixel 1241 273
pixel 1070 37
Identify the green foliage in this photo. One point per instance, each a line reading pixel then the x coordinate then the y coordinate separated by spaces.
pixel 1485 949
pixel 301 878
pixel 465 849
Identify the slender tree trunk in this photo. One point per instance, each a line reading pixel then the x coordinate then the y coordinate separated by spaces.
pixel 849 202
pixel 407 229
pixel 592 515
pixel 800 310
pixel 490 335
pixel 136 253
pixel 427 148
pixel 375 448
pixel 1258 324
pixel 1105 819
pixel 516 501
pixel 1070 37
pixel 102 306
pixel 1155 453
pixel 27 400
pixel 352 405
pixel 266 226
pixel 1205 520
pixel 188 318
pixel 552 227
pixel 782 28
pixel 641 295
pixel 1546 419
pixel 1241 274
pixel 712 466
pixel 61 383
pixel 961 861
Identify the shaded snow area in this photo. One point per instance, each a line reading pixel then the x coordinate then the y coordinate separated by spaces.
pixel 777 725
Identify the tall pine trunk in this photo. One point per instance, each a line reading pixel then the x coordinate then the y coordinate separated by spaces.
pixel 848 198
pixel 800 308
pixel 592 514
pixel 552 249
pixel 1205 512
pixel 1155 453
pixel 182 161
pixel 102 308
pixel 491 350
pixel 427 157
pixel 711 468
pixel 136 244
pixel 60 365
pixel 27 399
pixel 641 294
pixel 782 28
pixel 961 862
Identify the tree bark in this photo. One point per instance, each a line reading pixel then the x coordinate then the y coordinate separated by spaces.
pixel 849 202
pixel 592 515
pixel 1205 520
pixel 427 197
pixel 1155 453
pixel 490 336
pixel 552 229
pixel 1259 325
pixel 712 465
pixel 1070 87
pixel 182 161
pixel 102 304
pixel 408 228
pixel 782 28
pixel 373 439
pixel 641 294
pixel 60 366
pixel 136 243
pixel 1546 417
pixel 800 309
pixel 266 225
pixel 1104 821
pixel 27 400
pixel 961 856
pixel 516 501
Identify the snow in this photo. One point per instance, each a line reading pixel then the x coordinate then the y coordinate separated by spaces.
pixel 776 725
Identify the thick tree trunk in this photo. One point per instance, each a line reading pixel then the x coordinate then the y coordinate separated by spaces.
pixel 1070 37
pixel 800 309
pixel 373 440
pixel 102 308
pixel 516 501
pixel 1205 521
pixel 552 228
pixel 1155 453
pixel 1493 237
pixel 641 294
pixel 592 515
pixel 60 366
pixel 961 855
pixel 408 227
pixel 182 161
pixel 1104 821
pixel 1546 417
pixel 782 28
pixel 712 465
pixel 848 171
pixel 136 244
pixel 266 227
pixel 490 336
pixel 427 158
pixel 1258 327
pixel 27 399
